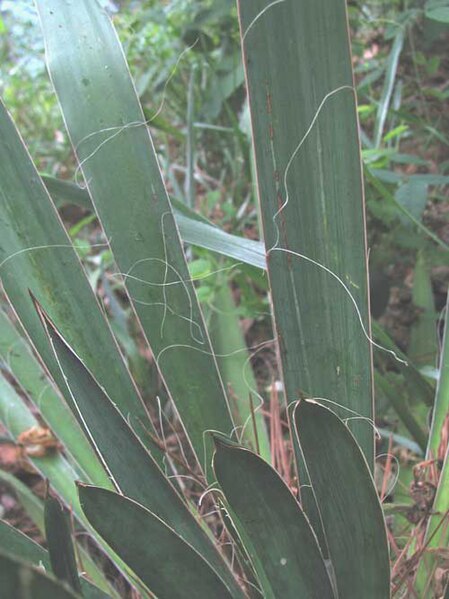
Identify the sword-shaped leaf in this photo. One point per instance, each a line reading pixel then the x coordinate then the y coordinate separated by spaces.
pixel 132 469
pixel 108 130
pixel 304 123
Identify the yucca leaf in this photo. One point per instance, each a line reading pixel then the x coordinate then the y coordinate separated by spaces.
pixel 37 254
pixel 22 581
pixel 21 547
pixel 23 365
pixel 166 564
pixel 117 158
pixel 193 228
pixel 60 544
pixel 350 509
pixel 132 469
pixel 32 505
pixel 304 123
pixel 306 495
pixel 283 547
pixel 17 418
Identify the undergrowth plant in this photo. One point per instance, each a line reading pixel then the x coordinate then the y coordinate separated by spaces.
pixel 235 510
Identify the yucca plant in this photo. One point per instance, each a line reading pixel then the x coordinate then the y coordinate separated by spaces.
pixel 324 538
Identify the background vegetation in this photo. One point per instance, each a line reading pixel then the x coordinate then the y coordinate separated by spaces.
pixel 193 93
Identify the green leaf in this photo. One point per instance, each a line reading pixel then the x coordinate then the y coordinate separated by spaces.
pixel 235 368
pixel 387 91
pixel 16 417
pixel 193 228
pixel 440 14
pixel 416 383
pixel 375 177
pixel 22 581
pixel 413 196
pixel 37 254
pixel 423 335
pixel 305 135
pixel 19 546
pixel 60 544
pixel 437 533
pixel 28 500
pixel 23 365
pixel 350 509
pixel 118 162
pixel 283 548
pixel 402 407
pixel 166 564
pixel 119 448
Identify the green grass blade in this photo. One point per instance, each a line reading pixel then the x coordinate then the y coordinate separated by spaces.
pixel 27 371
pixel 283 543
pixel 387 91
pixel 236 372
pixel 37 254
pixel 117 159
pixel 119 448
pixel 347 498
pixel 167 565
pixel 422 348
pixel 304 123
pixel 193 228
pixel 60 544
pixel 18 579
pixel 441 405
pixel 437 534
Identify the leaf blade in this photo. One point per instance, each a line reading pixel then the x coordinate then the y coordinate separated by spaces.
pixel 348 503
pixel 283 542
pixel 86 62
pixel 307 154
pixel 169 567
